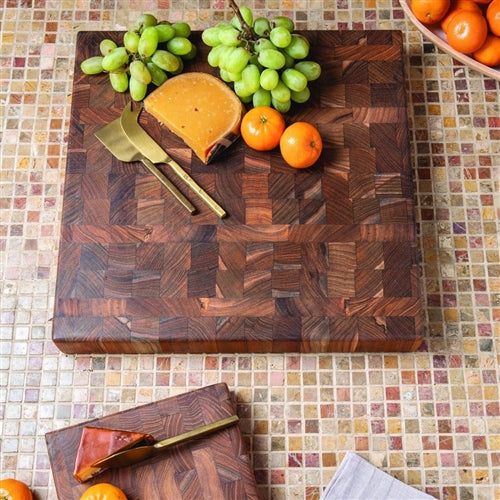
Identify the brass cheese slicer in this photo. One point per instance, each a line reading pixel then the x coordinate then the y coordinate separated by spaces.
pixel 117 142
pixel 150 149
pixel 140 453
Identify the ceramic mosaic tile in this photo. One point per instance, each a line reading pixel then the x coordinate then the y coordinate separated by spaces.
pixel 431 418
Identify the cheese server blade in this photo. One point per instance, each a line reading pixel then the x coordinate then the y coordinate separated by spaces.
pixel 152 150
pixel 140 453
pixel 120 146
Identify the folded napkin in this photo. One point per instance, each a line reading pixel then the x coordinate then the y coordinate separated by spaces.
pixel 357 479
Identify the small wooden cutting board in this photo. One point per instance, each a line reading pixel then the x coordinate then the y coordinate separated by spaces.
pixel 313 260
pixel 215 466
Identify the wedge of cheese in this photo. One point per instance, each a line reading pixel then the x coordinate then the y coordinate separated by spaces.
pixel 201 109
pixel 97 443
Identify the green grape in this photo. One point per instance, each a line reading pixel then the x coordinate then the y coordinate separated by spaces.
pixel 254 59
pixel 224 54
pixel 119 81
pixel 225 75
pixel 148 42
pixel 251 78
pixel 229 36
pixel 246 99
pixel 145 20
pixel 271 58
pixel 180 69
pixel 115 59
pixel 182 29
pixel 191 54
pixel 261 26
pixel 281 106
pixel 158 76
pixel 284 21
pixel 281 92
pixel 302 96
pixel 269 78
pixel 131 41
pixel 280 36
pixel 179 45
pixel 210 37
pixel 294 79
pixel 261 97
pixel 263 44
pixel 240 89
pixel 310 69
pixel 247 16
pixel 92 65
pixel 289 60
pixel 137 89
pixel 165 60
pixel 234 77
pixel 140 72
pixel 213 56
pixel 106 46
pixel 237 60
pixel 165 32
pixel 299 47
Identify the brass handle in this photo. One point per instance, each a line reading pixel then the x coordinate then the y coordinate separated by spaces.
pixel 166 182
pixel 197 189
pixel 198 432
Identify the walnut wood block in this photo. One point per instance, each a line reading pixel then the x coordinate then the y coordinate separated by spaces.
pixel 215 466
pixel 320 259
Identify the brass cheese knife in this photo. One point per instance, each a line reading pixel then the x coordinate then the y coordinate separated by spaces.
pixel 139 453
pixel 115 140
pixel 150 149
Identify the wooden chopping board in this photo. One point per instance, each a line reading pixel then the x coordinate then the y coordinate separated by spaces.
pixel 314 260
pixel 216 466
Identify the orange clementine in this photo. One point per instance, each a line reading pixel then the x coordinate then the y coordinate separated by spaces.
pixel 430 11
pixel 301 145
pixel 456 7
pixel 489 53
pixel 261 128
pixel 13 489
pixel 493 17
pixel 483 2
pixel 467 31
pixel 103 491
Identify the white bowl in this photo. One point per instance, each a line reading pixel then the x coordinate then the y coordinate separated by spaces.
pixel 436 35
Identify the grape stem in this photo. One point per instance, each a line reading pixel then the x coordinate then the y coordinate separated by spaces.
pixel 247 29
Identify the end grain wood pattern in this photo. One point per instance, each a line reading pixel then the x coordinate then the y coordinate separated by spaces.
pixel 215 466
pixel 322 259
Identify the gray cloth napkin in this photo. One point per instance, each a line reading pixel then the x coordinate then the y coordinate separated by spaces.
pixel 357 479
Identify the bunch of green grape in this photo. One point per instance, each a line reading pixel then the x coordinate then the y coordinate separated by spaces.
pixel 264 61
pixel 151 51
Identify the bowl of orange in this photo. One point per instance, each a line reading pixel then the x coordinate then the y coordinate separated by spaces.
pixel 467 30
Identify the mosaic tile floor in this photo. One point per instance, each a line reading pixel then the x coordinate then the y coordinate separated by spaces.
pixel 431 419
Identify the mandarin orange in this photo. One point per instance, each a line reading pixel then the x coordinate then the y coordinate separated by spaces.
pixel 467 31
pixel 493 17
pixel 455 7
pixel 489 53
pixel 430 11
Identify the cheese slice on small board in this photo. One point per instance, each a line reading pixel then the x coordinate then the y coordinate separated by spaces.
pixel 97 443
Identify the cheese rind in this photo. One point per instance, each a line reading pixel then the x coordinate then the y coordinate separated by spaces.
pixel 97 443
pixel 199 108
